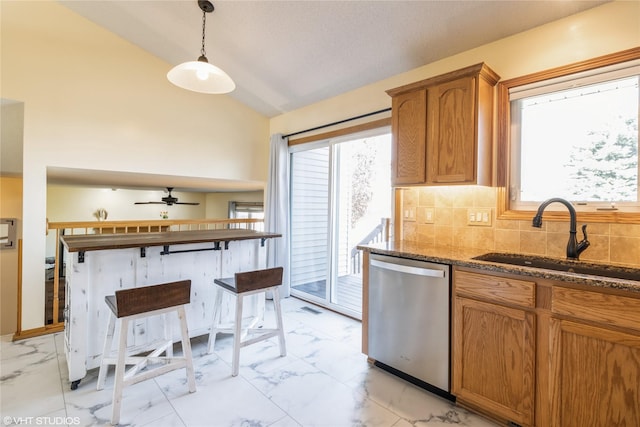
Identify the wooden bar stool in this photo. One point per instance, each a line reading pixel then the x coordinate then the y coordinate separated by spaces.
pixel 130 304
pixel 242 285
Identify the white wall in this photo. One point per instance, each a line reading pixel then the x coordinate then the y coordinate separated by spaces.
pixel 95 101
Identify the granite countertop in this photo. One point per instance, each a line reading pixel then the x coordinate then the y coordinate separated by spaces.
pixel 96 242
pixel 464 257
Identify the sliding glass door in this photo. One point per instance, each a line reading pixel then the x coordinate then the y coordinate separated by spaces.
pixel 340 194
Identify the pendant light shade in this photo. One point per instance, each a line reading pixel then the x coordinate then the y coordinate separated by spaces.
pixel 200 76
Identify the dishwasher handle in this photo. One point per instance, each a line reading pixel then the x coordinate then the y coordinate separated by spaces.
pixel 418 271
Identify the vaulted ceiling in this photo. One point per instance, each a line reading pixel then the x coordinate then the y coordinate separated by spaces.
pixel 284 55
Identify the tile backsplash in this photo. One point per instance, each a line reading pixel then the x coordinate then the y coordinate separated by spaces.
pixel 440 215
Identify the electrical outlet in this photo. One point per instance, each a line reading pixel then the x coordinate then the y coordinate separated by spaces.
pixel 425 215
pixel 479 217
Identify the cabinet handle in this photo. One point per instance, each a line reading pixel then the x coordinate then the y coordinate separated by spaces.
pixel 418 271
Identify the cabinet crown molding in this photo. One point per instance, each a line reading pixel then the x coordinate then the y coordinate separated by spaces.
pixel 480 69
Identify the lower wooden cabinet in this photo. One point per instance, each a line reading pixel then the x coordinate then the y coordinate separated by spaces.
pixel 595 377
pixel 494 348
pixel 545 353
pixel 595 358
pixel 494 359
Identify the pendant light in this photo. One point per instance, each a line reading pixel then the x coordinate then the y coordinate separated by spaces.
pixel 200 76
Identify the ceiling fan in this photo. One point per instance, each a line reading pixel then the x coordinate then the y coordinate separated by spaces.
pixel 168 200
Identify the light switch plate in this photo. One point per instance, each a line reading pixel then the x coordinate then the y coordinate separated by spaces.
pixel 409 214
pixel 479 217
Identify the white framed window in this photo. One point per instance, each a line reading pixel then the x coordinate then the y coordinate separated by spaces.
pixel 576 137
pixel 247 210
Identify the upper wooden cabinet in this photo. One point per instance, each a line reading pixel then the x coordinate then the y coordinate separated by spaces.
pixel 442 129
pixel 409 124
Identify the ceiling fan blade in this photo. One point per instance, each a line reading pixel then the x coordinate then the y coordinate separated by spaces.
pixel 168 200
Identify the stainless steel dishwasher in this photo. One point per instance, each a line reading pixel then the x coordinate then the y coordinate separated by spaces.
pixel 409 320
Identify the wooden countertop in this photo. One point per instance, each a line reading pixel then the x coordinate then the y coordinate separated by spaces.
pixel 96 242
pixel 464 257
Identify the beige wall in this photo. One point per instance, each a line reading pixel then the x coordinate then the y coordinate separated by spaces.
pixel 218 203
pixel 10 207
pixel 72 203
pixel 95 101
pixel 11 129
pixel 602 30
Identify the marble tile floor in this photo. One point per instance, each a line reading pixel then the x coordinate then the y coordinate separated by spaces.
pixel 323 381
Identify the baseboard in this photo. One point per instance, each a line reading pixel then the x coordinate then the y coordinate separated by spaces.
pixel 36 332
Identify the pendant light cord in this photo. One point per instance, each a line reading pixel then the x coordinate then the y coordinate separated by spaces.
pixel 204 23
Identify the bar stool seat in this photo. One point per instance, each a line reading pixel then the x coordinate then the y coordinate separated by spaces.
pixel 242 285
pixel 130 304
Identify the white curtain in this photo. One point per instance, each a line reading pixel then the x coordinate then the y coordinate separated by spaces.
pixel 276 215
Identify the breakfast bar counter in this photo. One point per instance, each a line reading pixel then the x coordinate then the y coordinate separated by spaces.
pixel 98 265
pixel 93 242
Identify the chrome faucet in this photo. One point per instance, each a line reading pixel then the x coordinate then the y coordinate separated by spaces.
pixel 574 249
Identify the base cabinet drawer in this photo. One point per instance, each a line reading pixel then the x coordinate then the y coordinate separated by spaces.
pixel 605 309
pixel 497 289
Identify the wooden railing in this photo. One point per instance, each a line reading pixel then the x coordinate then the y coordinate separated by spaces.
pixel 110 227
pixel 380 233
pixel 124 227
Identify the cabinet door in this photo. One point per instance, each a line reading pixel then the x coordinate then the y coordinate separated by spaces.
pixel 493 365
pixel 451 150
pixel 409 137
pixel 595 377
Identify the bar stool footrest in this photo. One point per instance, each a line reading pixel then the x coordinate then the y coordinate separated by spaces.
pixel 243 285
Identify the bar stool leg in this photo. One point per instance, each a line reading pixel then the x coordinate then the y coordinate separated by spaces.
pixel 186 349
pixel 167 335
pixel 106 351
pixel 278 312
pixel 217 308
pixel 237 336
pixel 120 369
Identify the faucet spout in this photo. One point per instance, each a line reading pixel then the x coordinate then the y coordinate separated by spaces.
pixel 574 249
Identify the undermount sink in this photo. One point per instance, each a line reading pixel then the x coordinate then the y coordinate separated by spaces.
pixel 569 266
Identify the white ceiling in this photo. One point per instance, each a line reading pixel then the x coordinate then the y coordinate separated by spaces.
pixel 284 55
pixel 137 181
